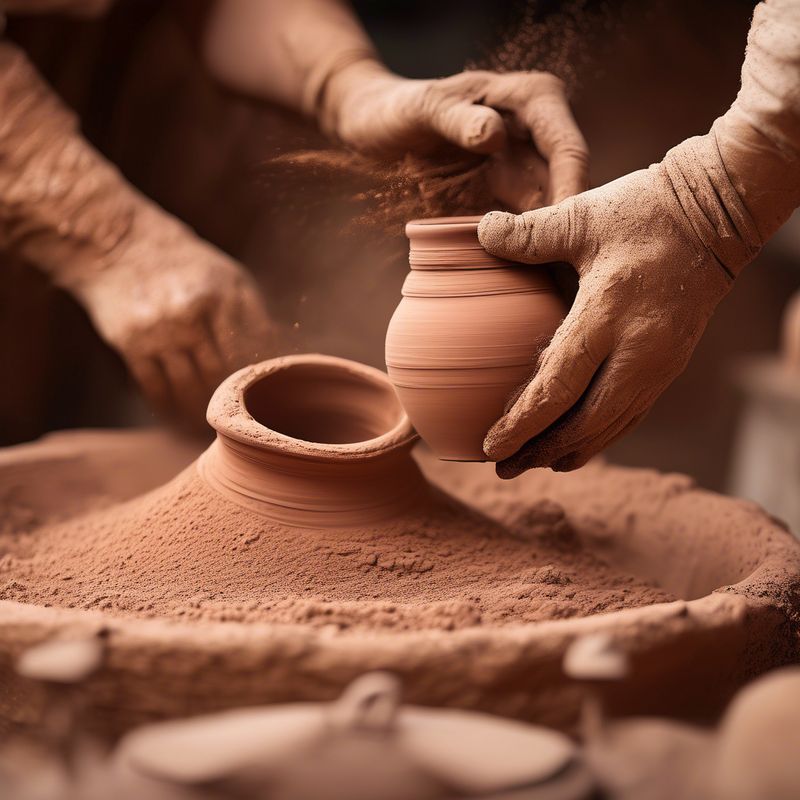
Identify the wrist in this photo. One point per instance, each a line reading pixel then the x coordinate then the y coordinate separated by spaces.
pixel 711 203
pixel 765 173
pixel 62 206
pixel 344 87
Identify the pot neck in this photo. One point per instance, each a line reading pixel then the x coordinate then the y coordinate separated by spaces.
pixel 448 243
pixel 312 494
pixel 311 484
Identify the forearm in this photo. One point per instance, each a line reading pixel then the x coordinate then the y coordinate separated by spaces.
pixel 759 136
pixel 740 182
pixel 62 206
pixel 285 52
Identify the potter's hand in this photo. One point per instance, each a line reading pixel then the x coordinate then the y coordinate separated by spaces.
pixel 373 111
pixel 648 285
pixel 655 251
pixel 314 56
pixel 180 312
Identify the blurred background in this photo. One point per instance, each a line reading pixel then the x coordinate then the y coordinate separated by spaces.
pixel 643 75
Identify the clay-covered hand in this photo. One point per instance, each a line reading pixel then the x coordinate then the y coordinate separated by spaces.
pixel 182 314
pixel 314 56
pixel 376 112
pixel 655 252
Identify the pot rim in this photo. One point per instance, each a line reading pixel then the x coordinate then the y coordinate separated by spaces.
pixel 462 223
pixel 228 414
pixel 448 243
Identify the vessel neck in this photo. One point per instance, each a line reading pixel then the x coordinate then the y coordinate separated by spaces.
pixel 304 483
pixel 448 243
pixel 308 493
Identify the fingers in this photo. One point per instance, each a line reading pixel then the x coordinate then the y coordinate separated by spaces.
pixel 241 329
pixel 173 384
pixel 208 357
pixel 190 395
pixel 535 237
pixel 566 368
pixel 598 444
pixel 518 177
pixel 476 128
pixel 558 138
pixel 538 100
pixel 149 375
pixel 614 397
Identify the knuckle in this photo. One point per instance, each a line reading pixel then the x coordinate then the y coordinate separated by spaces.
pixel 571 147
pixel 433 93
pixel 555 389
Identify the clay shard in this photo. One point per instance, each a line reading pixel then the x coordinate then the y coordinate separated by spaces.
pixel 216 747
pixel 479 754
pixel 468 752
pixel 595 657
pixel 61 661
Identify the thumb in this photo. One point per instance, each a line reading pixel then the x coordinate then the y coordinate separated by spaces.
pixel 476 128
pixel 535 237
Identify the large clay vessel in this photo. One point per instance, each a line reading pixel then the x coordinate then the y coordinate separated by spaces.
pixel 465 335
pixel 245 509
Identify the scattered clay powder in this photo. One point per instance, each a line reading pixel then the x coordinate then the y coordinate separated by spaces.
pixel 453 183
pixel 394 192
pixel 182 551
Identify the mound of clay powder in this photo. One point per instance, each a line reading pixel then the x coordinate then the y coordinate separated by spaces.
pixel 184 551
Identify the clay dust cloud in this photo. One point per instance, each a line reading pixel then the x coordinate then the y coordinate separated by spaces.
pixel 293 505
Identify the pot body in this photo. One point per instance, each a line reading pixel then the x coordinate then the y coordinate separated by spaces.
pixel 465 335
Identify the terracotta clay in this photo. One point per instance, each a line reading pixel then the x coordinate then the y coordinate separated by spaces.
pixel 61 660
pixel 655 251
pixel 312 441
pixel 309 509
pixel 465 334
pixel 300 750
pixel 207 605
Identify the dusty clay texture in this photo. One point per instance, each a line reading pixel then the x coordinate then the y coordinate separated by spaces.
pixel 658 250
pixel 457 144
pixel 465 334
pixel 179 311
pixel 490 639
pixel 323 519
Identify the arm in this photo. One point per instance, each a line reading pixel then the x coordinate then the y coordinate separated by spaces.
pixel 314 56
pixel 655 252
pixel 181 313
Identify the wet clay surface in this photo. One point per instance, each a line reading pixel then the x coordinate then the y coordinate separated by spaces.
pixel 182 551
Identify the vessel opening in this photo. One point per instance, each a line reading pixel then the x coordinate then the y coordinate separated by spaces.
pixel 324 403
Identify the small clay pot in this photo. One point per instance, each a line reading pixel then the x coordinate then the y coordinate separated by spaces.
pixel 465 335
pixel 312 441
